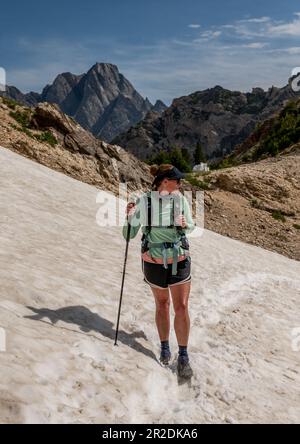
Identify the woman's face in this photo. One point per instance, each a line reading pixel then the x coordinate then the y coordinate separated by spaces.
pixel 170 185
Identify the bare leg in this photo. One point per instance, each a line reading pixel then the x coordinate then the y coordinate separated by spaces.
pixel 162 316
pixel 180 295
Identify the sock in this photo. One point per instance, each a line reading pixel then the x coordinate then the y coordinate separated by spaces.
pixel 165 348
pixel 165 345
pixel 183 354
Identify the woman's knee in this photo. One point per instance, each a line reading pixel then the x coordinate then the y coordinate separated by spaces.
pixel 163 304
pixel 181 308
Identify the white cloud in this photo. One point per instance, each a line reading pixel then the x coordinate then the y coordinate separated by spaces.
pixel 264 27
pixel 244 30
pixel 172 67
pixel 295 71
pixel 291 29
pixel 210 34
pixel 228 26
pixel 255 45
pixel 194 25
pixel 256 20
pixel 293 50
pixel 2 79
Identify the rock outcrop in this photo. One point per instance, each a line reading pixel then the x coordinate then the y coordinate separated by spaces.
pixel 57 141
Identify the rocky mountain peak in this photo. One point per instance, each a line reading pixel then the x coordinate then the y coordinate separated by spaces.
pixel 101 100
pixel 159 106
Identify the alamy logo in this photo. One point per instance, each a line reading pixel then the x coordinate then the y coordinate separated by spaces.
pixel 112 208
pixel 296 339
pixel 2 340
pixel 2 79
pixel 295 85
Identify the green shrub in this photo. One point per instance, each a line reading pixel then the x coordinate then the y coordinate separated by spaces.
pixel 26 131
pixel 297 226
pixel 278 215
pixel 255 203
pixel 285 132
pixel 194 98
pixel 247 157
pixel 47 137
pixel 214 166
pixel 202 184
pixel 158 159
pixel 22 129
pixel 228 162
pixel 22 117
pixel 138 125
pixel 9 102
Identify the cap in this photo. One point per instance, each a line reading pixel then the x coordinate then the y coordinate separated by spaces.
pixel 173 174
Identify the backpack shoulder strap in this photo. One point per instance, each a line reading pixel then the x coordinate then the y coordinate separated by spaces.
pixel 149 212
pixel 179 230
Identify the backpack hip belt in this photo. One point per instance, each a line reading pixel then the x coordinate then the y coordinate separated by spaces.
pixel 164 247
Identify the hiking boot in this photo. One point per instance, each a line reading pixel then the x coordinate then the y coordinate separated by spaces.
pixel 183 368
pixel 165 356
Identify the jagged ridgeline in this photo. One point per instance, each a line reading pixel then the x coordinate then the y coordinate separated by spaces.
pixel 216 119
pixel 102 101
pixel 208 124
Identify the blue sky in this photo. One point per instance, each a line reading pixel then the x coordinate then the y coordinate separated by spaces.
pixel 166 48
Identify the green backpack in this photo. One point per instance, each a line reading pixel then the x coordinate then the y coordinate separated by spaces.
pixel 182 241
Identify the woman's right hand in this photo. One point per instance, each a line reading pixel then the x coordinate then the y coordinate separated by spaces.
pixel 130 209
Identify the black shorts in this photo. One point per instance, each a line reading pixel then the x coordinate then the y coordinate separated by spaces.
pixel 159 277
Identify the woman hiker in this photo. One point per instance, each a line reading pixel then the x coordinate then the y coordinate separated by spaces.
pixel 166 261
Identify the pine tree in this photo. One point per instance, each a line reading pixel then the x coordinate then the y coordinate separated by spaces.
pixel 177 159
pixel 199 155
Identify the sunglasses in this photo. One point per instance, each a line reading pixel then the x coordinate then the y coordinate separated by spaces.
pixel 177 180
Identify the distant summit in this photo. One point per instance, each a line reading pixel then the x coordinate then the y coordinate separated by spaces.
pixel 102 101
pixel 159 106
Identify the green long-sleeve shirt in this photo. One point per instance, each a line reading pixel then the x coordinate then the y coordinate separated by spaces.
pixel 161 219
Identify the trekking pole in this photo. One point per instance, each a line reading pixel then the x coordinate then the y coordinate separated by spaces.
pixel 123 278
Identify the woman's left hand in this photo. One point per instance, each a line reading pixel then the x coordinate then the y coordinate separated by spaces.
pixel 181 221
